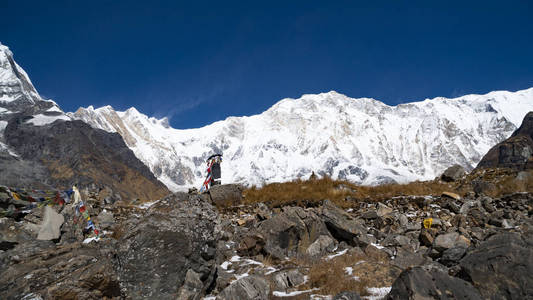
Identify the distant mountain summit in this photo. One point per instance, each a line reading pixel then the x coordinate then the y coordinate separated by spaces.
pixel 41 146
pixel 362 140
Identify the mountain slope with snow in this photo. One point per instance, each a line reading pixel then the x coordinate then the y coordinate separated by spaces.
pixel 19 96
pixel 362 140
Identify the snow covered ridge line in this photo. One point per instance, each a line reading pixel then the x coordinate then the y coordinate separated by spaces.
pixel 361 140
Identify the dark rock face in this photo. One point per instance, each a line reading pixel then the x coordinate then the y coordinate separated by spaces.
pixel 516 152
pixel 177 235
pixel 431 283
pixel 453 173
pixel 226 195
pixel 501 267
pixel 72 152
pixel 74 271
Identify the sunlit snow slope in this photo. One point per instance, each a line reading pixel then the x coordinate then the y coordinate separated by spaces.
pixel 362 140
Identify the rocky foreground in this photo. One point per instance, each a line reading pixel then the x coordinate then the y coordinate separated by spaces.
pixel 190 246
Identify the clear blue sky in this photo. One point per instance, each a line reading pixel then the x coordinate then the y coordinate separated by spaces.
pixel 199 63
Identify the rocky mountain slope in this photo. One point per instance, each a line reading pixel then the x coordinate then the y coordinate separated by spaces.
pixel 215 246
pixel 40 146
pixel 362 140
pixel 516 152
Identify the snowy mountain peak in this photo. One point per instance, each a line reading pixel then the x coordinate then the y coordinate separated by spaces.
pixel 359 139
pixel 15 85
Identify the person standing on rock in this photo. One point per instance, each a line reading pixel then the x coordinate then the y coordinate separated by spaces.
pixel 213 172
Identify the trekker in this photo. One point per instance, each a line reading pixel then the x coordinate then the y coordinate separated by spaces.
pixel 213 172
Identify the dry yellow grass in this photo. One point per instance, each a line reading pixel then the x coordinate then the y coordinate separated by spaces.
pixel 346 194
pixel 342 193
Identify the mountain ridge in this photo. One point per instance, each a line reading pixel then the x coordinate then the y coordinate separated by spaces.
pixel 353 129
pixel 42 147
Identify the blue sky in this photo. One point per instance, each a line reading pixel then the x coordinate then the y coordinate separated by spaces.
pixel 199 63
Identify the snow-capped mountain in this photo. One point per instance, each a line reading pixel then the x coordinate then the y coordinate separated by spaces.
pixel 42 147
pixel 362 140
pixel 18 95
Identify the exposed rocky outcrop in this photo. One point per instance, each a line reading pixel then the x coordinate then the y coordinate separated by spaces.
pixel 72 152
pixel 516 152
pixel 502 266
pixel 431 283
pixel 178 234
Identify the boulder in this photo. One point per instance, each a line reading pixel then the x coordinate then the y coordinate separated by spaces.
pixel 451 195
pixel 323 244
pixel 453 173
pixel 425 237
pixel 50 228
pixel 343 227
pixel 290 233
pixel 406 259
pixel 226 195
pixel 383 210
pixel 452 256
pixel 450 240
pixel 192 287
pixel 157 250
pixel 105 219
pixel 428 282
pixel 287 279
pixel 501 267
pixel 250 287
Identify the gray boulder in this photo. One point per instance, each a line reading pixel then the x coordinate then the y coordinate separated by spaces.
pixel 342 226
pixel 287 279
pixel 450 240
pixel 226 195
pixel 176 235
pixel 50 228
pixel 290 233
pixel 250 287
pixel 501 267
pixel 453 173
pixel 428 282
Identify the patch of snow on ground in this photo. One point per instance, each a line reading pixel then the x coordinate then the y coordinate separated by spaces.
pixel 235 258
pixel 225 265
pixel 270 270
pixel 320 297
pixel 291 294
pixel 148 204
pixel 209 298
pixel 40 119
pixel 377 293
pixel 348 270
pixel 377 245
pixel 252 262
pixel 336 254
pixel 88 240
